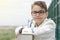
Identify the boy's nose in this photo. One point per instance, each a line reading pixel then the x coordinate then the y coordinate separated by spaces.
pixel 37 14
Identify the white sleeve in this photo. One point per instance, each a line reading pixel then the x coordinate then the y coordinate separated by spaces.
pixel 45 28
pixel 17 30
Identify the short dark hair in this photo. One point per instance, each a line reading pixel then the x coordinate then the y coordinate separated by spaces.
pixel 42 4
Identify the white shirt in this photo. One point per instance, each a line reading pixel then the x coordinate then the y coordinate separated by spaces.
pixel 46 31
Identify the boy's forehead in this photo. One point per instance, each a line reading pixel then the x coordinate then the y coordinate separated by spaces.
pixel 37 8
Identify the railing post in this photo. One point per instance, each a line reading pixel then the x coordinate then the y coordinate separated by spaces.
pixel 25 37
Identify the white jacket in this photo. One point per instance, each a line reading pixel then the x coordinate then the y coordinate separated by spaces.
pixel 46 31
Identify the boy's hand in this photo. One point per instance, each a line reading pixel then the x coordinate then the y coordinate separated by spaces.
pixel 20 31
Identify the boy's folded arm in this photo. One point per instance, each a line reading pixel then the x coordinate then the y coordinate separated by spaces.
pixel 44 29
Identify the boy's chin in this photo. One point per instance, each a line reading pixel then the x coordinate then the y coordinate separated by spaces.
pixel 38 21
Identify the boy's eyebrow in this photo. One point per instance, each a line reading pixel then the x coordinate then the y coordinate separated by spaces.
pixel 39 10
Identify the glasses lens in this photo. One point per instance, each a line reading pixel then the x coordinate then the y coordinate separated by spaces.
pixel 41 11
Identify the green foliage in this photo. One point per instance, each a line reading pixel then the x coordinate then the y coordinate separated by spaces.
pixel 7 34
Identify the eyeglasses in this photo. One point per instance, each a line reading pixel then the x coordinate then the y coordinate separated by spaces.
pixel 41 12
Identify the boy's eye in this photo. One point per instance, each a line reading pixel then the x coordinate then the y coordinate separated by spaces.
pixel 41 11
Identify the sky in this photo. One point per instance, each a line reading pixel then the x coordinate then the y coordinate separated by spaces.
pixel 16 12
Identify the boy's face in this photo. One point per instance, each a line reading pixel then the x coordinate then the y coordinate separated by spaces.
pixel 38 14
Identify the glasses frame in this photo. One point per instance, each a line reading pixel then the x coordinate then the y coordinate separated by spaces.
pixel 41 12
